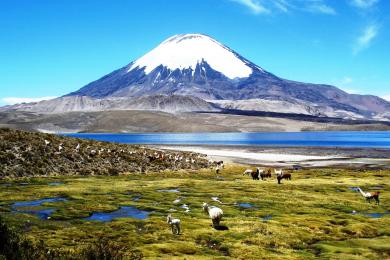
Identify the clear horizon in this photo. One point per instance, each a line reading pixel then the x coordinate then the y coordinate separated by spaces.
pixel 49 49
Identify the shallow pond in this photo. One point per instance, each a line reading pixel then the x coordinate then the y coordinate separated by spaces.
pixel 122 212
pixel 40 213
pixel 266 218
pixel 169 190
pixel 377 215
pixel 35 203
pixel 136 198
pixel 55 183
pixel 245 205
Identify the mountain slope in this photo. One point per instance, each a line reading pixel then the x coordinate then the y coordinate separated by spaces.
pixel 170 104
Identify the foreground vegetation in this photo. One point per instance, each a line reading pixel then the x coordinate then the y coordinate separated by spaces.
pixel 316 214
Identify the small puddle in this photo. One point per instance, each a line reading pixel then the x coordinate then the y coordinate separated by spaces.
pixel 186 207
pixel 370 215
pixel 55 183
pixel 42 214
pixel 377 215
pixel 169 190
pixel 177 201
pixel 136 198
pixel 122 212
pixel 35 203
pixel 245 205
pixel 266 218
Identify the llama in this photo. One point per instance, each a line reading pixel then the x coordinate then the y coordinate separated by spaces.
pixel 268 173
pixel 220 164
pixel 60 147
pixel 175 224
pixel 247 172
pixel 262 173
pixel 286 176
pixel 215 213
pixel 217 169
pixel 370 195
pixel 255 175
pixel 278 172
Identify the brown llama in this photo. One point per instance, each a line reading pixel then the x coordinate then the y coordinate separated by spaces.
pixel 286 176
pixel 375 196
pixel 370 195
pixel 255 175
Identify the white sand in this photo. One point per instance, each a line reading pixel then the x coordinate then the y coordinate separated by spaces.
pixel 243 154
pixel 282 159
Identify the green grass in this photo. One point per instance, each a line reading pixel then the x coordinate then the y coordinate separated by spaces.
pixel 311 215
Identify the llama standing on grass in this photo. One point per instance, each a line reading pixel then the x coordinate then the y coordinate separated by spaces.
pixel 217 169
pixel 370 195
pixel 278 172
pixel 286 176
pixel 255 175
pixel 175 224
pixel 215 213
pixel 247 172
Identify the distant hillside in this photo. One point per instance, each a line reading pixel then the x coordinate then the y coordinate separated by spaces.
pixel 130 121
pixel 25 154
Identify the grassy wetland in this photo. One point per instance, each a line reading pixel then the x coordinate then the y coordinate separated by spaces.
pixel 316 214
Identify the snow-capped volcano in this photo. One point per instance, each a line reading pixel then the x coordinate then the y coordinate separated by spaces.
pixel 184 64
pixel 196 65
pixel 187 51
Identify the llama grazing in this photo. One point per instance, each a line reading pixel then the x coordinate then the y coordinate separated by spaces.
pixel 286 176
pixel 220 164
pixel 264 173
pixel 175 224
pixel 215 213
pixel 370 195
pixel 217 169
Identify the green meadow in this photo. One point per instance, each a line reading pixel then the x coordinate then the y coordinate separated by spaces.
pixel 316 214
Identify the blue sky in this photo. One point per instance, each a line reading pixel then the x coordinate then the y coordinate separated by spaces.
pixel 50 48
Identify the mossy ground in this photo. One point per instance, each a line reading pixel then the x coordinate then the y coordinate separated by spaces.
pixel 311 214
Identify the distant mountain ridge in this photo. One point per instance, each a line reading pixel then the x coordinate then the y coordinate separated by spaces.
pixel 198 66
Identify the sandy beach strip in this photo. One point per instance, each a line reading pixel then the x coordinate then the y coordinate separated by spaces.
pixel 282 156
pixel 271 157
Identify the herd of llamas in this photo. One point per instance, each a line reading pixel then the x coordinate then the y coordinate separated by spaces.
pixel 216 213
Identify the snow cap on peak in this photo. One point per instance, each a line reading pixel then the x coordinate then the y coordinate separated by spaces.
pixel 184 51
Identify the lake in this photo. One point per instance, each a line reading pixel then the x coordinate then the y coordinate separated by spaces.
pixel 377 139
